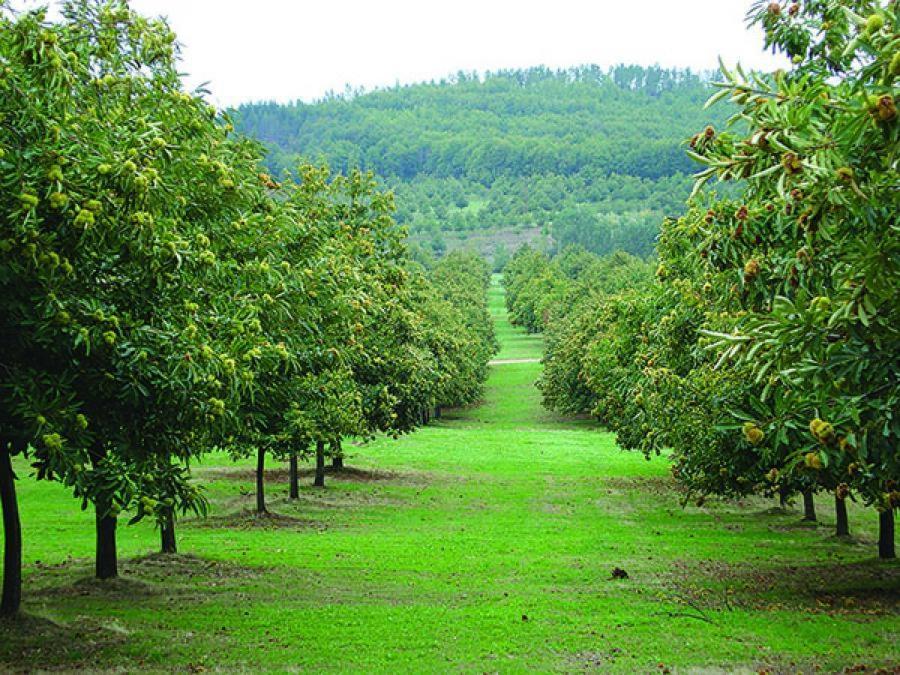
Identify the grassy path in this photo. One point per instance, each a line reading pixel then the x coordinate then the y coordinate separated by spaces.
pixel 484 542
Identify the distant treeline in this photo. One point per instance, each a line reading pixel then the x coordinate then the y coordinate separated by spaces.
pixel 596 153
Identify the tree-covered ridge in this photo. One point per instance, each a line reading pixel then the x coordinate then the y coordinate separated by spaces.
pixel 511 148
pixel 627 120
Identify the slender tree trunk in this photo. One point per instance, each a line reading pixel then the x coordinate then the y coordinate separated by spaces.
pixel 886 548
pixel 782 497
pixel 261 481
pixel 809 506
pixel 107 566
pixel 167 534
pixel 337 456
pixel 294 476
pixel 437 412
pixel 11 598
pixel 842 522
pixel 320 465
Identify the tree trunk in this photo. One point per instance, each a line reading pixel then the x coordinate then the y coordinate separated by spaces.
pixel 320 465
pixel 842 523
pixel 107 565
pixel 12 538
pixel 437 412
pixel 809 506
pixel 886 548
pixel 337 456
pixel 261 481
pixel 782 497
pixel 167 534
pixel 295 476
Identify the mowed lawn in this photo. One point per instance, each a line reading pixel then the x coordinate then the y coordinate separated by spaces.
pixel 485 542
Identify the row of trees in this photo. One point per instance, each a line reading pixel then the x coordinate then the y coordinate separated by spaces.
pixel 160 296
pixel 542 291
pixel 765 354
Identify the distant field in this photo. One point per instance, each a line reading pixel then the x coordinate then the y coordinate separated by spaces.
pixel 485 542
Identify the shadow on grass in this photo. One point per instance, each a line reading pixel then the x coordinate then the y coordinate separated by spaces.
pixel 28 639
pixel 144 577
pixel 867 587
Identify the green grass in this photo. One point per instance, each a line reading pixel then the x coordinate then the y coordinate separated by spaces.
pixel 484 542
pixel 514 343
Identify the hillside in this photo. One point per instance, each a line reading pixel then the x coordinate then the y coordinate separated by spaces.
pixel 587 155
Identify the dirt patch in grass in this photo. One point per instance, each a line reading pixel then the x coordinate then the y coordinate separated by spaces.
pixel 164 566
pixel 347 474
pixel 120 588
pixel 147 579
pixel 251 520
pixel 657 485
pixel 870 588
pixel 30 639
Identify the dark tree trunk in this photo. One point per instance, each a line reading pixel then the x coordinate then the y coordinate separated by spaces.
pixel 12 538
pixel 107 566
pixel 782 497
pixel 437 412
pixel 809 506
pixel 261 481
pixel 842 522
pixel 167 534
pixel 337 456
pixel 886 548
pixel 320 465
pixel 295 476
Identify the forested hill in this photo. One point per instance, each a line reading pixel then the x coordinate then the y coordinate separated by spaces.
pixel 599 153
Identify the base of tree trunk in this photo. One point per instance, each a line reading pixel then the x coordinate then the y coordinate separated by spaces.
pixel 168 544
pixel 319 480
pixel 337 462
pixel 809 506
pixel 886 549
pixel 842 522
pixel 107 564
pixel 11 598
pixel 294 477
pixel 261 481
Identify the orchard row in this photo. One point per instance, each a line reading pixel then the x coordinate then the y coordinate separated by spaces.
pixel 161 297
pixel 766 352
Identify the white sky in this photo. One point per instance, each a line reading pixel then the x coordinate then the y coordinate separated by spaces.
pixel 251 50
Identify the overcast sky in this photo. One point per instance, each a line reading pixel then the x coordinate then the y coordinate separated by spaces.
pixel 251 50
